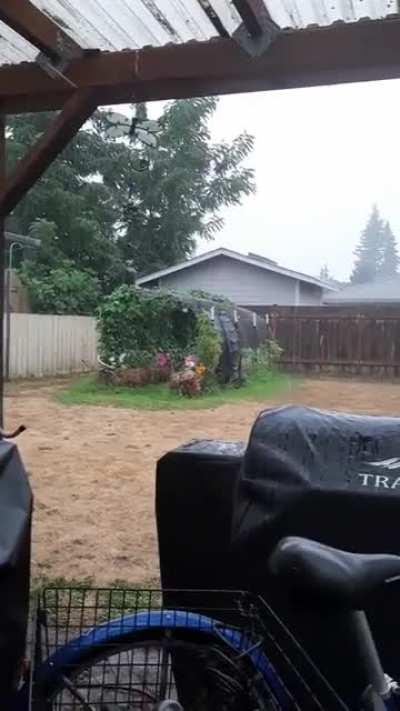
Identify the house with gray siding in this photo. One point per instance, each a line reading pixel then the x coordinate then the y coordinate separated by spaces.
pixel 373 293
pixel 250 281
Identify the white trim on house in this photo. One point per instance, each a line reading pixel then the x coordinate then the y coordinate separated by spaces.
pixel 223 252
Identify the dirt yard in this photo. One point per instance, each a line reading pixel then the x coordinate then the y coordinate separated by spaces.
pixel 92 470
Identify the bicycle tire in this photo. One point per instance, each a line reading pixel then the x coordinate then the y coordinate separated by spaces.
pixel 231 685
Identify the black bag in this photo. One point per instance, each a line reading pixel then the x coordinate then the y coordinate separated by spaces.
pixel 15 535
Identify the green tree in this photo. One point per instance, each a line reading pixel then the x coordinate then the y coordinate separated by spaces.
pixel 177 199
pixel 63 290
pixel 390 257
pixel 109 204
pixel 70 210
pixel 368 253
pixel 325 274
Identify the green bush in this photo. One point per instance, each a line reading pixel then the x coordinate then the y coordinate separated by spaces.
pixel 133 320
pixel 213 298
pixel 263 359
pixel 135 325
pixel 207 345
pixel 135 359
pixel 64 290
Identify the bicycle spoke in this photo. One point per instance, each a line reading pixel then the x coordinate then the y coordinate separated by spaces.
pixel 135 668
pixel 165 667
pixel 112 688
pixel 77 695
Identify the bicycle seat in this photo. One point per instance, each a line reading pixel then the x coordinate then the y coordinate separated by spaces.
pixel 330 577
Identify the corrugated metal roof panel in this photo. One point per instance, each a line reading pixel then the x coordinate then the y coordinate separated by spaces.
pixel 122 24
pixel 298 14
pixel 131 24
pixel 13 48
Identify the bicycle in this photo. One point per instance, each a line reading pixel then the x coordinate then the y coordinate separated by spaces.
pixel 107 650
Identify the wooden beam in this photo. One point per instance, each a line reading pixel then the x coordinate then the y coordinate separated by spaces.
pixel 251 11
pixel 38 29
pixel 363 51
pixel 30 168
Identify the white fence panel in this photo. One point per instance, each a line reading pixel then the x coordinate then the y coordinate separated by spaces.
pixel 42 345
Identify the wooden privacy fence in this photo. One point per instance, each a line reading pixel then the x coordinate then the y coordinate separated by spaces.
pixel 42 345
pixel 349 339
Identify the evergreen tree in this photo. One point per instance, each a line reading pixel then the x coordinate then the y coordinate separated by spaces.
pixel 368 252
pixel 390 258
pixel 325 274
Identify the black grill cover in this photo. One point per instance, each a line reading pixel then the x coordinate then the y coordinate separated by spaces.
pixel 313 470
pixel 196 491
pixel 328 476
pixel 336 478
pixel 15 522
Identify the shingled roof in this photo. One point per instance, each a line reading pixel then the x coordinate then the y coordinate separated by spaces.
pixel 376 292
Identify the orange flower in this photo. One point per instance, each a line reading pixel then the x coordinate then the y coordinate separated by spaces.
pixel 200 369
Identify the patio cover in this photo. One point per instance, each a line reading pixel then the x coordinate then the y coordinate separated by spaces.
pixel 135 50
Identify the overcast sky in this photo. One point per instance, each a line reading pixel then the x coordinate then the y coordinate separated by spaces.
pixel 322 157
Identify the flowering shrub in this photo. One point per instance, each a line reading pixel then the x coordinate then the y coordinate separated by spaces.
pixel 200 370
pixel 156 335
pixel 207 345
pixel 186 382
pixel 199 367
pixel 162 360
pixel 190 362
pixel 133 320
pixel 133 359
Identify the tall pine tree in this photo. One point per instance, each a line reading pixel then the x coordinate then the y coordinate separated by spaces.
pixel 390 258
pixel 368 252
pixel 324 273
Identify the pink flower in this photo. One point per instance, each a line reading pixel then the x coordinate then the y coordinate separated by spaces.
pixel 162 360
pixel 190 361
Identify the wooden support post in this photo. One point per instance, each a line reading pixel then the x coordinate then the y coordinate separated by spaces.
pixel 63 128
pixel 3 170
pixel 258 30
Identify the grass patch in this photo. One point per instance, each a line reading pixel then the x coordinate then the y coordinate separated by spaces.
pixel 39 583
pixel 78 605
pixel 87 391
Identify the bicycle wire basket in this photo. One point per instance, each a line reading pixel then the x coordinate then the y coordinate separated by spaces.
pixel 205 649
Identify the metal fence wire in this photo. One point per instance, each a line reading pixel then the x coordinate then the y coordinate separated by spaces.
pixel 203 665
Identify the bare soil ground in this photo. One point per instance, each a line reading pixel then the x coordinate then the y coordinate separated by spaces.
pixel 93 469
